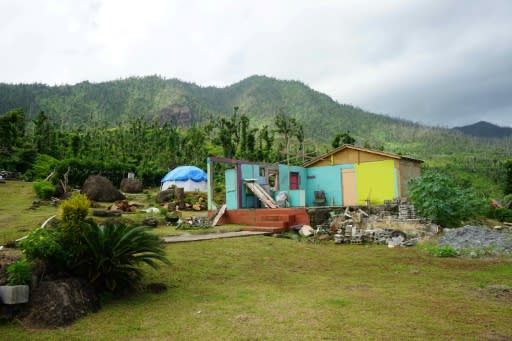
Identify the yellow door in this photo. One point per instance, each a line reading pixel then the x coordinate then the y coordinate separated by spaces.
pixel 348 181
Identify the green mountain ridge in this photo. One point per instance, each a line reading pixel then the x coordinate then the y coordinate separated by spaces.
pixel 260 97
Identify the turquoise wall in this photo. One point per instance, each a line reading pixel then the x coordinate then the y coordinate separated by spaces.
pixel 327 179
pixel 231 190
pixel 250 171
pixel 296 198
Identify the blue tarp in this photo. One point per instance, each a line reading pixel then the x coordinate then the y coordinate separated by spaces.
pixel 184 173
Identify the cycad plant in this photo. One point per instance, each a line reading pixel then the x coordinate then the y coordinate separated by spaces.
pixel 114 253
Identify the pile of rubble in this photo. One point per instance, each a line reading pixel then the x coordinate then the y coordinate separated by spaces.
pixel 176 198
pixel 125 206
pixel 395 224
pixel 193 223
pixel 478 238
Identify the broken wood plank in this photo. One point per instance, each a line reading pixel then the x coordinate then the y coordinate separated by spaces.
pixel 219 214
pixel 260 192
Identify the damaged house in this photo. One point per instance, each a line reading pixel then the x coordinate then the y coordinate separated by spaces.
pixel 277 195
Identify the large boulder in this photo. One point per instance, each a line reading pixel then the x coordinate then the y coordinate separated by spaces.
pixel 99 188
pixel 131 186
pixel 58 303
pixel 165 195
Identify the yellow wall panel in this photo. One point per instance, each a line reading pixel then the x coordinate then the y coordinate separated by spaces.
pixel 376 181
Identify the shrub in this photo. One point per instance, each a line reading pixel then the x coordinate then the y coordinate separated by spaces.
pixel 74 210
pixel 45 245
pixel 437 197
pixel 114 253
pixel 44 189
pixel 442 251
pixel 41 244
pixel 503 214
pixel 19 273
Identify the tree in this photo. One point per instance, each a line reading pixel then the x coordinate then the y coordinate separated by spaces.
pixel 43 134
pixel 437 197
pixel 342 138
pixel 287 127
pixel 508 177
pixel 12 129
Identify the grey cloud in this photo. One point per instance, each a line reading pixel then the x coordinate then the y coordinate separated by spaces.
pixel 437 62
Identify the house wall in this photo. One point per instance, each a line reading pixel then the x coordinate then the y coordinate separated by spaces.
pixel 250 171
pixel 350 156
pixel 376 181
pixel 296 198
pixel 408 169
pixel 327 179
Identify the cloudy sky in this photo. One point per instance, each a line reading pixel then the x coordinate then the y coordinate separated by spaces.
pixel 438 62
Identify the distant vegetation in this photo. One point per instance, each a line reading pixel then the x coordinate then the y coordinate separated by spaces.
pixel 485 129
pixel 150 124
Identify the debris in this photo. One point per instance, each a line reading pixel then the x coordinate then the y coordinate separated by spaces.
pixel 193 223
pixel 125 206
pixel 496 204
pixel 479 238
pixel 151 210
pixel 106 213
pixel 166 195
pixel 219 215
pixel 306 231
pixel 150 221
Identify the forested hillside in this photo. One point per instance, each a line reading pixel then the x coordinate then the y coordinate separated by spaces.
pixel 485 129
pixel 85 107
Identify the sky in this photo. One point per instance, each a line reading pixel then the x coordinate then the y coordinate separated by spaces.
pixel 437 62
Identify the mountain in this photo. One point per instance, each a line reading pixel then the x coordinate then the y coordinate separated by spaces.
pixel 485 129
pixel 110 103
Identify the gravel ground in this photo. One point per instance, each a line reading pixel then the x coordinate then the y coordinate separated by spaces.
pixel 477 237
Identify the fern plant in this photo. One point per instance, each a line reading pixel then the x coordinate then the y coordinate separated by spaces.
pixel 114 253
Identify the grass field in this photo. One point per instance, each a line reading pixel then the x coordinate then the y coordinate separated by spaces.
pixel 256 288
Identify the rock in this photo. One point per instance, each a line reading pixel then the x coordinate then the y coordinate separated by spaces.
pixel 306 231
pixel 150 221
pixel 58 303
pixel 151 210
pixel 131 186
pixel 106 213
pixel 164 196
pixel 99 188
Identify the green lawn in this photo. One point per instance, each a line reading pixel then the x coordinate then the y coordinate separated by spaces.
pixel 278 289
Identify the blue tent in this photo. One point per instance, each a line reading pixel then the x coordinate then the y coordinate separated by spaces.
pixel 184 173
pixel 189 177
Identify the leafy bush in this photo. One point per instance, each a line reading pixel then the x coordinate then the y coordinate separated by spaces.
pixel 44 189
pixel 114 253
pixel 503 214
pixel 442 251
pixel 74 210
pixel 19 273
pixel 42 244
pixel 43 165
pixel 437 197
